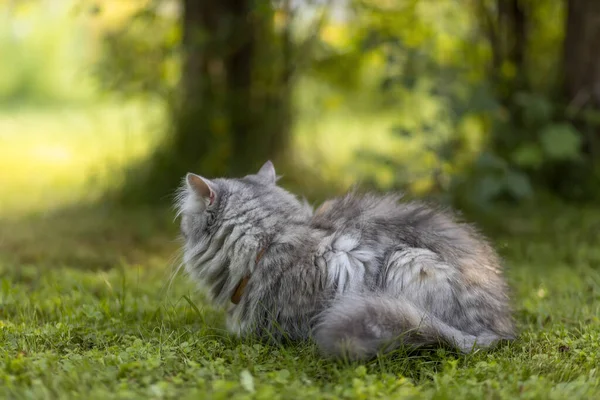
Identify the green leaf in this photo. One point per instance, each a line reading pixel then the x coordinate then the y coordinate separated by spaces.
pixel 247 381
pixel 491 162
pixel 488 188
pixel 561 142
pixel 537 108
pixel 528 155
pixel 518 185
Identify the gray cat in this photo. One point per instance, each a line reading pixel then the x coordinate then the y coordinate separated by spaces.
pixel 363 274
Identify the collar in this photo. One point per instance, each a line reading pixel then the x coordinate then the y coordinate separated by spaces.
pixel 239 289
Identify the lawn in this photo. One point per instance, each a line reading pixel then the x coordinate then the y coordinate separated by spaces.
pixel 89 307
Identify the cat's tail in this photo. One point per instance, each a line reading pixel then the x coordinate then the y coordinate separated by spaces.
pixel 360 326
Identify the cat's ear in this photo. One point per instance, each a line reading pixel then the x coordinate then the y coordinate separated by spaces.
pixel 267 172
pixel 202 187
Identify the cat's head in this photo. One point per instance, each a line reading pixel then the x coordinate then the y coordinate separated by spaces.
pixel 225 218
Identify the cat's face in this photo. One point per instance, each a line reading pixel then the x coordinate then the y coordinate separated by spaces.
pixel 214 212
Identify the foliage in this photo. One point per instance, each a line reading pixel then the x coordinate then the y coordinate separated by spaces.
pixel 141 55
pixel 413 65
pixel 121 330
pixel 494 130
pixel 456 123
pixel 42 48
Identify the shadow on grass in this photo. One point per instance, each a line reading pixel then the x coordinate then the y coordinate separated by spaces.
pixel 91 236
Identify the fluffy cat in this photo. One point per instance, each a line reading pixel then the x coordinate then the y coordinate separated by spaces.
pixel 362 275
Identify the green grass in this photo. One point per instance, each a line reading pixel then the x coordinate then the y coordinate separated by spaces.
pixel 86 311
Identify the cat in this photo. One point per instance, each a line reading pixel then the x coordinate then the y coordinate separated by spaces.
pixel 362 275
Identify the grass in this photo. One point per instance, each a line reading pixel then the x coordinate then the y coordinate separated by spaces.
pixel 87 310
pixel 61 155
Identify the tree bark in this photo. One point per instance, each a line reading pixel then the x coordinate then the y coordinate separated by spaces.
pixel 228 44
pixel 199 139
pixel 260 113
pixel 243 113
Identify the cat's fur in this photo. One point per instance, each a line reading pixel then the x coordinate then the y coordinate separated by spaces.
pixel 363 274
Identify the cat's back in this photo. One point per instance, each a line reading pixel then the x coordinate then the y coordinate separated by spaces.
pixel 384 221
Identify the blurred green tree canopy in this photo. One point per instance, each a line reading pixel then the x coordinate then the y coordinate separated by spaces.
pixel 496 99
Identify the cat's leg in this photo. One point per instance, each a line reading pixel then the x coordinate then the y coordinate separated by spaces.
pixel 358 326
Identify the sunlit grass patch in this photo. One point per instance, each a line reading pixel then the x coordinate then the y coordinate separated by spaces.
pixel 56 156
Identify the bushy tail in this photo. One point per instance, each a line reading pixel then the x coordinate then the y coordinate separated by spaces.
pixel 360 326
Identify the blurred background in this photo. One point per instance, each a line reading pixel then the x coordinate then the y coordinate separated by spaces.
pixel 492 106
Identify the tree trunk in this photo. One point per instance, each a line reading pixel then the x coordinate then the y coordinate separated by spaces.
pixel 261 109
pixel 582 68
pixel 232 110
pixel 199 139
pixel 244 114
pixel 506 26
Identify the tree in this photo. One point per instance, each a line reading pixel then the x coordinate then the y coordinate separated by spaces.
pixel 225 122
pixel 505 25
pixel 231 110
pixel 551 126
pixel 582 69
